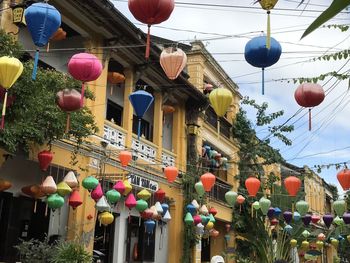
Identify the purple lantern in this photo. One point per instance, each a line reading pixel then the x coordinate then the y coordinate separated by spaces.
pixel 328 219
pixel 141 101
pixel 270 213
pixel 306 219
pixel 287 215
pixel 346 218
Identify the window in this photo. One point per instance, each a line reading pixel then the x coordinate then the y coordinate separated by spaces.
pixel 114 112
pixel 146 128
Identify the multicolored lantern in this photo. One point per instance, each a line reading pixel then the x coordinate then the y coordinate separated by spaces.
pixel 309 95
pixel 125 157
pixel 208 181
pixel 43 20
pixel 252 184
pixel 75 199
pixel 10 70
pixel 344 178
pixel 171 173
pixel 173 61
pixel 84 67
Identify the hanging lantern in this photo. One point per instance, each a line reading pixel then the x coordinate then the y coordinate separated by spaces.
pixel 305 244
pixel 195 204
pixel 165 208
pixel 171 173
pixel 197 219
pixel 309 95
pixel 159 195
pixel 45 157
pixel 211 218
pixel 167 217
pixel 125 157
pixel 33 191
pixel 214 233
pixel 258 55
pixel 115 78
pixel 128 187
pixel 49 186
pixel 75 199
pixel 287 215
pixel 90 183
pixel 231 197
pixel 63 189
pixel 268 5
pixel 140 101
pixel 213 211
pixel 200 229
pixel 274 221
pixel 147 214
pixel 71 180
pixel 327 219
pixel 84 67
pixel 338 221
pixel 256 207
pixel 199 189
pixel 102 205
pixel 344 179
pixel 277 212
pixel 288 229
pixel 189 219
pixel 68 100
pixel 205 220
pixel 296 216
pixel 292 185
pixel 208 181
pixel 204 210
pixel 252 184
pixel 4 185
pixel 55 201
pixel 149 226
pixel 159 208
pixel 130 201
pixel 302 207
pixel 228 227
pixel 293 243
pixel 119 186
pixel 155 215
pixel 207 88
pixel 113 196
pixel 321 237
pixel 97 193
pixel 43 20
pixel 168 109
pixel 10 70
pixel 173 61
pixel 141 205
pixel 151 12
pixel 191 209
pixel 220 99
pixel 209 225
pixel 306 219
pixel 315 219
pixel 264 205
pixel 144 194
pixel 334 242
pixel 339 207
pixel 319 244
pixel 270 213
pixel 240 201
pixel 346 218
pixel 59 35
pixel 106 218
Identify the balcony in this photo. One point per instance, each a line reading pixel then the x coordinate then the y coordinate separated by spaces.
pixel 168 158
pixel 219 190
pixel 225 126
pixel 144 149
pixel 114 134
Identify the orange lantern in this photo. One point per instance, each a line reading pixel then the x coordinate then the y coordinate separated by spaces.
pixel 292 184
pixel 344 178
pixel 115 78
pixel 33 191
pixel 173 61
pixel 171 173
pixel 168 109
pixel 4 185
pixel 214 233
pixel 75 199
pixel 208 181
pixel 240 201
pixel 59 35
pixel 252 184
pixel 124 158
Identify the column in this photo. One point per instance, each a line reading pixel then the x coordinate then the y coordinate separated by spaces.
pixel 158 124
pixel 128 109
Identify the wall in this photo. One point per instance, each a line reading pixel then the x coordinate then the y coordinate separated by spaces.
pixel 167 131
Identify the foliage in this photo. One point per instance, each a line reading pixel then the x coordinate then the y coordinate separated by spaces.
pixel 70 251
pixel 34 251
pixel 334 190
pixel 34 116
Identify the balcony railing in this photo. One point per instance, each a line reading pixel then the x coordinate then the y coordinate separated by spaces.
pixel 168 158
pixel 144 149
pixel 225 126
pixel 219 190
pixel 114 134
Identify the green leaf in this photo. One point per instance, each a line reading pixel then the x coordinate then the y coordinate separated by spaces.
pixel 335 8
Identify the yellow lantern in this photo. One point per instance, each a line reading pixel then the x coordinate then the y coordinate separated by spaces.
pixel 319 244
pixel 63 189
pixel 210 225
pixel 268 5
pixel 106 218
pixel 305 244
pixel 334 242
pixel 128 187
pixel 293 243
pixel 144 194
pixel 10 69
pixel 220 99
pixel 348 237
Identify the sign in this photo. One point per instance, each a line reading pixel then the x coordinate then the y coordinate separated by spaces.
pixel 143 182
pixel 18 15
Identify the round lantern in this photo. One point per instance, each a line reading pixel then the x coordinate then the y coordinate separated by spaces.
pixel 292 185
pixel 4 185
pixel 106 218
pixel 140 101
pixel 264 205
pixel 84 67
pixel 171 173
pixel 113 196
pixel 68 100
pixel 231 197
pixel 63 189
pixel 293 243
pixel 159 195
pixel 42 20
pixel 302 207
pixel 344 179
pixel 45 157
pixel 115 78
pixel 75 199
pixel 252 184
pixel 208 181
pixel 306 219
pixel 141 205
pixel 199 189
pixel 257 54
pixel 346 218
pixel 90 183
pixel 10 70
pixel 173 61
pixel 124 158
pixel 309 95
pixel 55 201
pixel 151 12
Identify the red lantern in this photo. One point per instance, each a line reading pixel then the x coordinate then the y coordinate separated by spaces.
pixel 171 173
pixel 315 219
pixel 4 185
pixel 75 199
pixel 151 12
pixel 274 221
pixel 124 158
pixel 173 61
pixel 213 211
pixel 240 199
pixel 252 184
pixel 147 214
pixel 344 179
pixel 292 184
pixel 208 181
pixel 68 100
pixel 309 95
pixel 45 158
pixel 159 195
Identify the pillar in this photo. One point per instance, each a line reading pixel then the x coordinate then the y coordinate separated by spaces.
pixel 158 123
pixel 128 109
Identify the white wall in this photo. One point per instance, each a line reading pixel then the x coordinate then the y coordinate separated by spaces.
pixel 168 132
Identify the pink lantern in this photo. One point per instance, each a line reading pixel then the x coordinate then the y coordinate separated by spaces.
pixel 130 201
pixel 84 67
pixel 173 61
pixel 119 186
pixel 97 193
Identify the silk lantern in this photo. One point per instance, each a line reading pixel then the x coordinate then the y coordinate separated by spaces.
pixel 309 95
pixel 97 193
pixel 84 67
pixel 270 212
pixel 189 219
pixel 197 219
pixel 208 181
pixel 173 61
pixel 264 205
pixel 240 201
pixel 293 243
pixel 258 55
pixel 268 5
pixel 63 189
pixel 346 218
pixel 287 215
pixel 151 12
pixel 220 99
pixel 49 186
pixel 71 180
pixel 75 199
pixel 305 234
pixel 45 157
pixel 315 219
pixel 33 191
pixel 191 209
pixel 338 221
pixel 327 219
pixel 199 189
pixel 102 205
pixel 4 185
pixel 128 187
pixel 231 197
pixel 252 184
pixel 124 158
pixel 159 195
pixel 302 207
pixel 43 20
pixel 144 194
pixel 213 211
pixel 113 196
pixel 274 221
pixel 68 100
pixel 10 70
pixel 90 183
pixel 55 201
pixel 195 203
pixel 149 226
pixel 321 237
pixel 344 178
pixel 130 201
pixel 115 78
pixel 171 173
pixel 339 207
pixel 167 217
pixel 59 35
pixel 141 205
pixel 277 212
pixel 204 210
pixel 296 216
pixel 292 185
pixel 306 219
pixel 288 229
pixel 140 101
pixel 119 186
pixel 106 218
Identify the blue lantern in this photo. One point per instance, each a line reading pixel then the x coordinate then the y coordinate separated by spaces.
pixel 258 55
pixel 42 20
pixel 141 101
pixel 277 212
pixel 288 229
pixel 165 207
pixel 192 209
pixel 296 216
pixel 149 226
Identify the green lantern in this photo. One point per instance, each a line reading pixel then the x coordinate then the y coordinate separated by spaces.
pixel 264 205
pixel 199 189
pixel 302 207
pixel 189 219
pixel 141 205
pixel 231 197
pixel 339 207
pixel 256 205
pixel 306 233
pixel 90 183
pixel 211 218
pixel 55 201
pixel 113 196
pixel 338 221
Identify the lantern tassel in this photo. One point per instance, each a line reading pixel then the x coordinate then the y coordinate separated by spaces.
pixel 48 47
pixel 3 111
pixel 268 31
pixel 67 123
pixel 263 81
pixel 292 208
pixel 148 42
pixel 35 68
pixel 251 211
pixel 35 205
pixel 309 119
pixel 218 127
pixel 82 95
pixel 139 130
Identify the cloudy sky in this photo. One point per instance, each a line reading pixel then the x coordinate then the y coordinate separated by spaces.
pixel 225 26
